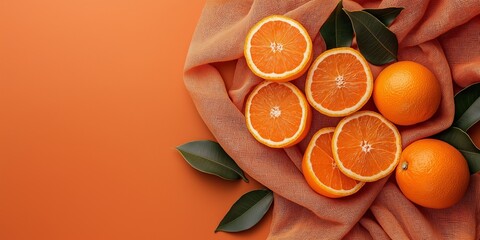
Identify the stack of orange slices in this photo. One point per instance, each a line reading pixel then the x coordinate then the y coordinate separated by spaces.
pixel 363 147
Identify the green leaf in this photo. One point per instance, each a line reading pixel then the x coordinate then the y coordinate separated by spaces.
pixel 460 140
pixel 467 107
pixel 375 41
pixel 337 30
pixel 385 15
pixel 209 157
pixel 465 98
pixel 473 160
pixel 247 211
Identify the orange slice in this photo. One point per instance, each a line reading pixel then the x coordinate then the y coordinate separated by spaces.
pixel 339 82
pixel 321 171
pixel 277 114
pixel 366 146
pixel 278 48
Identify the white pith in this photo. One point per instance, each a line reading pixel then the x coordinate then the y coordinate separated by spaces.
pixel 366 147
pixel 275 112
pixel 276 47
pixel 340 81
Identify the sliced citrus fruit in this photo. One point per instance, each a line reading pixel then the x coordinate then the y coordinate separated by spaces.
pixel 321 171
pixel 366 146
pixel 339 82
pixel 278 48
pixel 277 114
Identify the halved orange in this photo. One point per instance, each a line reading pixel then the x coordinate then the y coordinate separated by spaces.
pixel 278 48
pixel 339 82
pixel 366 146
pixel 321 171
pixel 277 114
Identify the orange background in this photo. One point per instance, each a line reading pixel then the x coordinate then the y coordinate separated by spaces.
pixel 92 106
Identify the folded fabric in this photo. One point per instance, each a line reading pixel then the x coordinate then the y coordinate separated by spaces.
pixel 443 35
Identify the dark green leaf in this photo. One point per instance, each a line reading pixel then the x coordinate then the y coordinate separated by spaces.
pixel 465 98
pixel 470 117
pixel 209 157
pixel 247 211
pixel 375 41
pixel 460 140
pixel 473 160
pixel 467 107
pixel 337 30
pixel 457 138
pixel 385 15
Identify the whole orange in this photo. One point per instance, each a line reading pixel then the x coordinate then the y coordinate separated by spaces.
pixel 407 93
pixel 432 173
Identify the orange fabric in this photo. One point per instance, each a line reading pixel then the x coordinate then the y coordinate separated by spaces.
pixel 442 35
